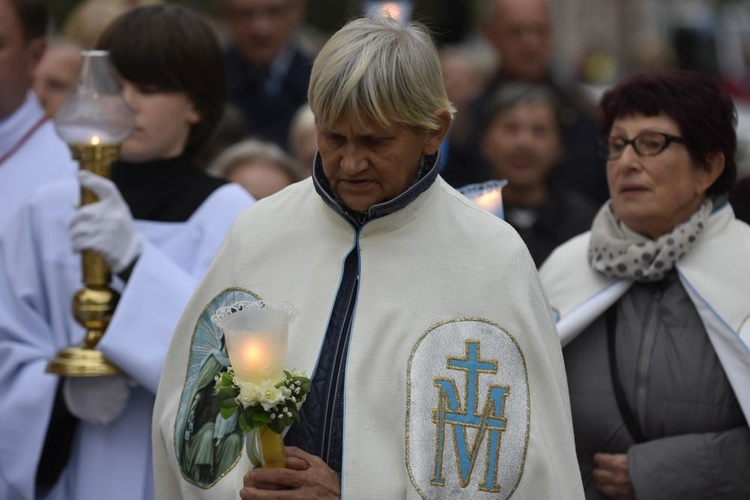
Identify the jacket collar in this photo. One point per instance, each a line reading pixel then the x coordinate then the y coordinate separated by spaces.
pixel 428 172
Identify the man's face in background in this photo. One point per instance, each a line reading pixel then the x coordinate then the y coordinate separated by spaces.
pixel 260 28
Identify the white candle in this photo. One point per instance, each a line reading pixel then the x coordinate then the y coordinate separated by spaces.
pixel 256 336
pixel 487 195
pixel 490 200
pixel 256 356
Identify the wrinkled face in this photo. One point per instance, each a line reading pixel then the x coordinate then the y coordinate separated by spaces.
pixel 367 163
pixel 652 195
pixel 18 58
pixel 261 27
pixel 260 177
pixel 521 32
pixel 163 120
pixel 55 75
pixel 522 143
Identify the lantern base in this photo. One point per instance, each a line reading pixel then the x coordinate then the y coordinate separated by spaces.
pixel 81 362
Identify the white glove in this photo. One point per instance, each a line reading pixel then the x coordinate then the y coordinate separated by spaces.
pixel 106 226
pixel 96 400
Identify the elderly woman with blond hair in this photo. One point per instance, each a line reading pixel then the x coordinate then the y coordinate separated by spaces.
pixel 653 302
pixel 435 367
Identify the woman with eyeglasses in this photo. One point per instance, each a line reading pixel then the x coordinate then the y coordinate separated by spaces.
pixel 653 303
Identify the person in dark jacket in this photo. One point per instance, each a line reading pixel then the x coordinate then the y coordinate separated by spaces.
pixel 267 75
pixel 653 301
pixel 522 145
pixel 520 31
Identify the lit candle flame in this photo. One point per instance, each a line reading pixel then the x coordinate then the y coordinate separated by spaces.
pixel 95 140
pixel 253 355
pixel 489 201
pixel 392 9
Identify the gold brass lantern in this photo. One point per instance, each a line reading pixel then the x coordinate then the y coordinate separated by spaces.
pixel 93 121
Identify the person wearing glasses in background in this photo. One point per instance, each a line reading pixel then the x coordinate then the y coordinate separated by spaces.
pixel 652 303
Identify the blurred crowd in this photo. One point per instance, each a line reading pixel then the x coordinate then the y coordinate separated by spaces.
pixel 268 54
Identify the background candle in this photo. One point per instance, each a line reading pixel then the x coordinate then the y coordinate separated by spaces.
pixel 487 195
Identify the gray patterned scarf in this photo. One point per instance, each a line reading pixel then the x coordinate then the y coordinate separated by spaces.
pixel 617 252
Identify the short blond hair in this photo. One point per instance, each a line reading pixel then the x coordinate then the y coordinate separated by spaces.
pixel 380 68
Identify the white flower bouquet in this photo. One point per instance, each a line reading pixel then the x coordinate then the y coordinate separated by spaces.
pixel 269 403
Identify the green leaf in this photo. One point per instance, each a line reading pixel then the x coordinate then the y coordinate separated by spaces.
pixel 294 412
pixel 244 425
pixel 228 403
pixel 228 393
pixel 227 412
pixel 306 386
pixel 277 426
pixel 260 416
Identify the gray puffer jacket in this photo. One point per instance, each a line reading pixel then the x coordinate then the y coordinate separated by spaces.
pixel 697 441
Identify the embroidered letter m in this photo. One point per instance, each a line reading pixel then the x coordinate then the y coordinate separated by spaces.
pixel 466 419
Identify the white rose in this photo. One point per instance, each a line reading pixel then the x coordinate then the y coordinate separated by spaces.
pixel 250 394
pixel 270 395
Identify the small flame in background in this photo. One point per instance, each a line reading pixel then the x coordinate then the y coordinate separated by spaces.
pixel 95 140
pixel 400 11
pixel 391 9
pixel 489 201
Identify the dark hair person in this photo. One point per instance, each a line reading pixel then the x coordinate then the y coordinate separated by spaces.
pixel 707 123
pixel 189 50
pixel 652 302
pixel 522 144
pixel 34 16
pixel 157 224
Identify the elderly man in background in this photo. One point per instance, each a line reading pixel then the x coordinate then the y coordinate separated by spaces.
pixel 521 33
pixel 267 74
pixel 422 321
pixel 31 153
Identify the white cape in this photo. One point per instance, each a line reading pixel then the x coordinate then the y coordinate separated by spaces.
pixel 42 158
pixel 448 293
pixel 715 274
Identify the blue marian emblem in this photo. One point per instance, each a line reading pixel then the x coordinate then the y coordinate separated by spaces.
pixel 468 417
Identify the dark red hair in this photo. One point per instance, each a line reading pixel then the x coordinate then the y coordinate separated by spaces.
pixel 703 111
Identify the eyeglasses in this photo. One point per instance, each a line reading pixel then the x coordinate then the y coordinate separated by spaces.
pixel 646 144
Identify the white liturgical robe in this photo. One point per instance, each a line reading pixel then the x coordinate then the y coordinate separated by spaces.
pixel 31 154
pixel 39 274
